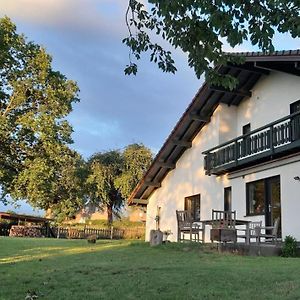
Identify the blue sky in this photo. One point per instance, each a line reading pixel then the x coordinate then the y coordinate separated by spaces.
pixel 84 38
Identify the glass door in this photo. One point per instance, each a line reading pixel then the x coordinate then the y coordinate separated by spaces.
pixel 227 199
pixel 273 202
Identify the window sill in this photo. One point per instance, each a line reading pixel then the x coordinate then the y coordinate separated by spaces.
pixel 257 215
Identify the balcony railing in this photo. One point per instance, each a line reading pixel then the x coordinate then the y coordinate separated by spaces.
pixel 272 140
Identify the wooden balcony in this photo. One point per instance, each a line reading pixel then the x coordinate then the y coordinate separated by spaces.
pixel 273 140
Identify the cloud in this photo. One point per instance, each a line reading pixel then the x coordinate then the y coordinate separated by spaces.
pixel 89 16
pixel 94 127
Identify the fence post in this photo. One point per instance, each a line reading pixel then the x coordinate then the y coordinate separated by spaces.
pixel 111 232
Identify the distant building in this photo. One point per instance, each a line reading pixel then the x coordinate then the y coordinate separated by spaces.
pixel 91 212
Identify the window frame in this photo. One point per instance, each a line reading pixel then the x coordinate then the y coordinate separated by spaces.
pixel 228 192
pixel 246 128
pixel 265 195
pixel 294 105
pixel 193 199
pixel 248 184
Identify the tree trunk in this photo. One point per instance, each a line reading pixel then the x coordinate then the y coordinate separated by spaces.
pixel 109 214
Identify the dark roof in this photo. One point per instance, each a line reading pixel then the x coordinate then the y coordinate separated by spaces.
pixel 284 53
pixel 26 218
pixel 200 110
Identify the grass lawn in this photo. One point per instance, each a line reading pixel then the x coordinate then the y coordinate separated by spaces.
pixel 73 269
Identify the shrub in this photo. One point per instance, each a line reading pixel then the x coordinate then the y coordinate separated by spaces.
pixel 289 248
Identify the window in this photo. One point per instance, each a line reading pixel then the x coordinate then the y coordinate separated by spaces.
pixel 263 197
pixel 256 197
pixel 192 204
pixel 227 198
pixel 246 128
pixel 294 107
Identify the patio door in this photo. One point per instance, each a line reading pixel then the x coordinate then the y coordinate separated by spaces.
pixel 273 201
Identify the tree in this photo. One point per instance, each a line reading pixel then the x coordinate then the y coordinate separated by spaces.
pixel 137 159
pixel 55 182
pixel 101 183
pixel 200 28
pixel 114 174
pixel 36 163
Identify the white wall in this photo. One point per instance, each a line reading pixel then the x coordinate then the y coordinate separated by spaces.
pixel 228 123
pixel 270 101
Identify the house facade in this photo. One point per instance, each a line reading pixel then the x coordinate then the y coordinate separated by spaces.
pixel 233 150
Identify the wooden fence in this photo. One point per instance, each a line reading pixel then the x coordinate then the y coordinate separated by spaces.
pixel 75 233
pixel 102 233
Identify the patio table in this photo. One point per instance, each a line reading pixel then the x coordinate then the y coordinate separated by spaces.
pixel 237 223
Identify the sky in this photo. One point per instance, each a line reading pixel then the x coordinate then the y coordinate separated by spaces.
pixel 84 38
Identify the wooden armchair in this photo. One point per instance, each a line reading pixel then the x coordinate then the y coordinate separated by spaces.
pixel 223 219
pixel 254 228
pixel 185 225
pixel 223 226
pixel 269 232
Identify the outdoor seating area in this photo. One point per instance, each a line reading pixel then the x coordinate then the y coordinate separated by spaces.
pixel 226 228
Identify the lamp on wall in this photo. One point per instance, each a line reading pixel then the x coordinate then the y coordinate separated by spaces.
pixel 297 178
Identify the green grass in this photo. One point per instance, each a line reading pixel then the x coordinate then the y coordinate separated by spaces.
pixel 73 269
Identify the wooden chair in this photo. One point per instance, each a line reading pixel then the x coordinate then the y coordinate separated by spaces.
pixel 254 227
pixel 223 219
pixel 185 225
pixel 264 232
pixel 223 226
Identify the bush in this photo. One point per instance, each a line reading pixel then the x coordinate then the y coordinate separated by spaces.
pixel 289 248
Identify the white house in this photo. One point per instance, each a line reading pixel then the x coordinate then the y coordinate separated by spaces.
pixel 237 150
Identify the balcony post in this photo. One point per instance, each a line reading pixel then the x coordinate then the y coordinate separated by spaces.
pixel 272 139
pixel 236 152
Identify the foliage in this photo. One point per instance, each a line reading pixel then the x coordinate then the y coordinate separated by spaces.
pixel 36 162
pixel 104 168
pixel 114 174
pixel 55 182
pixel 200 29
pixel 133 270
pixel 137 159
pixel 289 248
